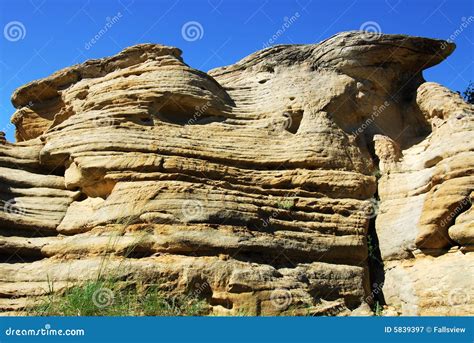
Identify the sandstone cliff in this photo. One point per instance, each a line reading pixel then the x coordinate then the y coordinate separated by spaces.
pixel 269 181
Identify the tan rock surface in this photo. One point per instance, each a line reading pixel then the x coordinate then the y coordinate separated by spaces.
pixel 431 286
pixel 257 179
pixel 426 208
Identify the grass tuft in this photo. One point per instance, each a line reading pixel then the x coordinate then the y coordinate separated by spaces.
pixel 112 298
pixel 109 295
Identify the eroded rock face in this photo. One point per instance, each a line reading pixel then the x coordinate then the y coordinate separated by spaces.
pixel 258 180
pixel 425 225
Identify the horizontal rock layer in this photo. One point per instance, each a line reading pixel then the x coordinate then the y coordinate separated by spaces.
pixel 258 180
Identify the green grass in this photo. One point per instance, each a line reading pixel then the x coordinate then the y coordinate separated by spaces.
pixel 377 173
pixel 109 295
pixel 371 248
pixel 377 308
pixel 115 298
pixel 286 204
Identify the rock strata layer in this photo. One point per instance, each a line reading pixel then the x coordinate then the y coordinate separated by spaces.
pixel 267 181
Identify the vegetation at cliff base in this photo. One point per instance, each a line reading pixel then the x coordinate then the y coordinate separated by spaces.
pixel 112 298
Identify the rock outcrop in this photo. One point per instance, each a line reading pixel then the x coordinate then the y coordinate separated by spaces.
pixel 259 186
pixel 426 211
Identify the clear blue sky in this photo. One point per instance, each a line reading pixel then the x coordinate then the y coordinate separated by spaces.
pixel 56 32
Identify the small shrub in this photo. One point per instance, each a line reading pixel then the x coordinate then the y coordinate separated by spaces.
pixel 377 173
pixel 377 308
pixel 468 94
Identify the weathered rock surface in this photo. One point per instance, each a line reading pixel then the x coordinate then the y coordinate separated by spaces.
pixel 258 180
pixel 426 208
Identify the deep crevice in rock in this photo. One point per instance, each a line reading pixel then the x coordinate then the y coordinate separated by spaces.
pixel 375 263
pixel 376 267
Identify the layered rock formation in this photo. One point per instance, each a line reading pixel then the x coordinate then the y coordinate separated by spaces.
pixel 255 186
pixel 425 225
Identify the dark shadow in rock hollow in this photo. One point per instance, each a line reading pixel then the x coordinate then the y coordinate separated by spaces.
pixel 376 266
